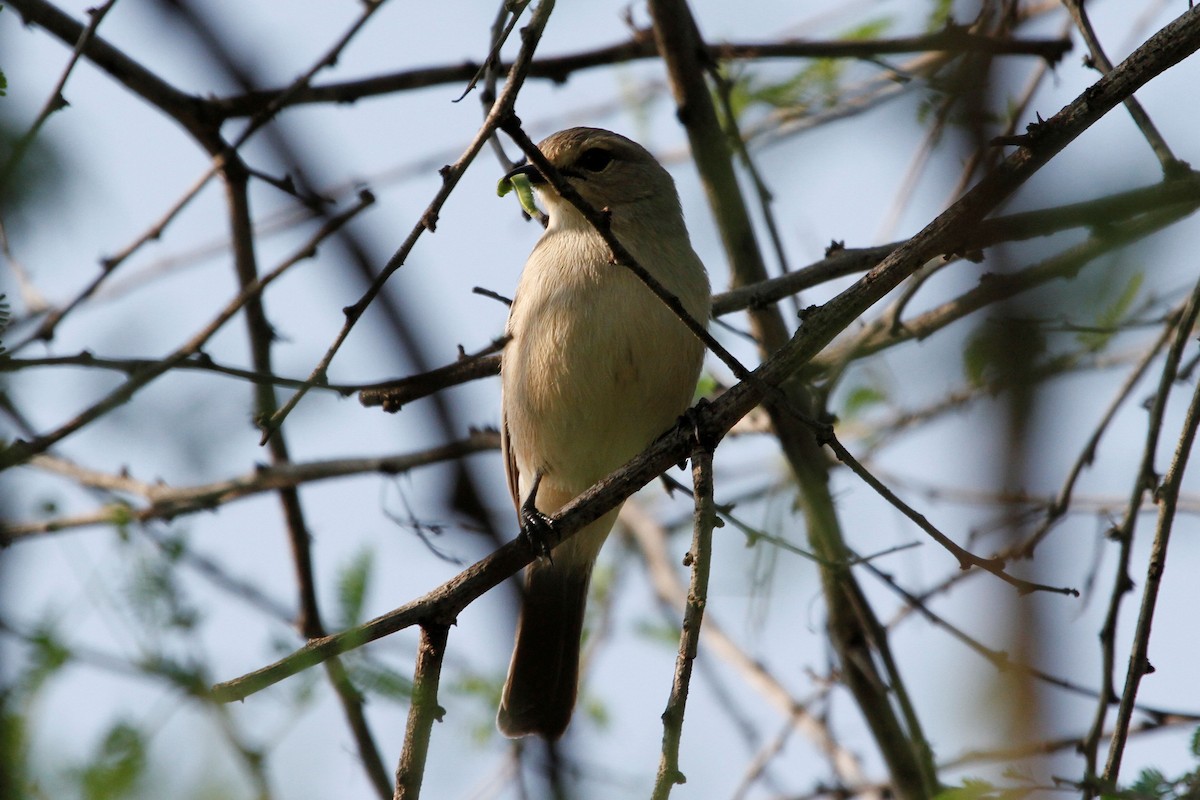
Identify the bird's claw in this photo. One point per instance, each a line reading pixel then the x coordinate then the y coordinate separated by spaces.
pixel 536 527
pixel 538 530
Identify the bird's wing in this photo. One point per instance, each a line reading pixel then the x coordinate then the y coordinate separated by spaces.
pixel 510 460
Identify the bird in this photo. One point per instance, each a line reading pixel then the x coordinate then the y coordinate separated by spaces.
pixel 594 369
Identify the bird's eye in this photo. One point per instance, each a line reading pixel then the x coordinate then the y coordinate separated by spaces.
pixel 594 159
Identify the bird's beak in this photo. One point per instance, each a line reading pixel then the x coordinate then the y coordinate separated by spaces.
pixel 529 171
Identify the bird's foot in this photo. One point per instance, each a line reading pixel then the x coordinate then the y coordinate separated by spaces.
pixel 536 527
pixel 693 419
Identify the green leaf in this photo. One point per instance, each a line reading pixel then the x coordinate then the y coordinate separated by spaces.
pixel 14 752
pixel 706 387
pixel 1002 351
pixel 154 595
pixel 352 584
pixel 861 398
pixel 971 789
pixel 378 679
pixel 939 16
pixel 117 766
pixel 48 655
pixel 1151 783
pixel 1111 317
pixel 871 29
pixel 657 632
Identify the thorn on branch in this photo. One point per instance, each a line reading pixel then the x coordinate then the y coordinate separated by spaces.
pixel 1032 131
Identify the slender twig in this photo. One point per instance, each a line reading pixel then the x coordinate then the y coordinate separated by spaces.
pixel 1144 481
pixel 642 46
pixel 200 361
pixel 422 712
pixel 651 540
pixel 699 558
pixel 56 100
pixel 500 34
pixel 451 174
pixel 999 658
pixel 20 451
pixel 169 502
pixel 1163 50
pixel 1166 495
pixel 966 559
pixel 1171 166
pixel 1061 503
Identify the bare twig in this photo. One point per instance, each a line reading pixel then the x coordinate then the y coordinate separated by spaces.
pixel 1062 501
pixel 699 558
pixel 423 711
pixel 966 559
pixel 501 112
pixel 56 100
pixel 1171 166
pixel 19 451
pixel 651 540
pixel 1163 50
pixel 643 46
pixel 1144 481
pixel 168 502
pixel 1167 495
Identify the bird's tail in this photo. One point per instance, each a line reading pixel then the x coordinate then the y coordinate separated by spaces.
pixel 543 676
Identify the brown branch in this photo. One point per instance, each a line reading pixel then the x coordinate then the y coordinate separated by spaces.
pixel 19 451
pixel 642 46
pixel 1144 481
pixel 992 288
pixel 422 712
pixel 1167 496
pixel 392 396
pixel 56 100
pixel 1162 51
pixel 651 540
pixel 451 174
pixel 1104 214
pixel 699 558
pixel 168 502
pixel 1171 166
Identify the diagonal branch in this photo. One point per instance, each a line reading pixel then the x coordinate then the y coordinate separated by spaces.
pixel 451 174
pixel 1166 48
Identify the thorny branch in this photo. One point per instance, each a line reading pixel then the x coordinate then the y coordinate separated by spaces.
pixel 962 230
pixel 1163 50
